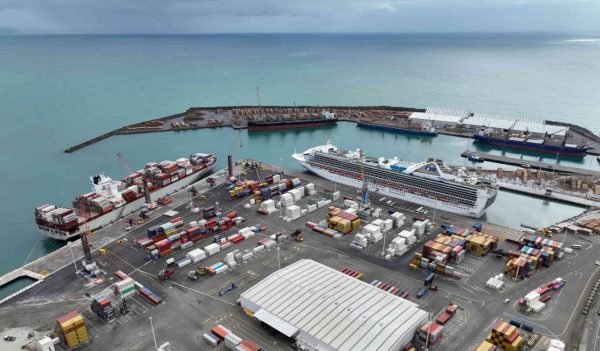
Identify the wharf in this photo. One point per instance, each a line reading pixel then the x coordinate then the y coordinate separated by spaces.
pixel 54 261
pixel 535 165
pixel 191 308
pixel 541 192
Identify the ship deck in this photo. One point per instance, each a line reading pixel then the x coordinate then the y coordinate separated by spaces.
pixel 191 308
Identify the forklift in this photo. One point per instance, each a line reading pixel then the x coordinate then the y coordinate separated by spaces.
pixel 168 271
pixel 297 235
pixel 194 275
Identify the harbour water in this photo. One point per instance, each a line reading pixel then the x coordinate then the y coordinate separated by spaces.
pixel 59 90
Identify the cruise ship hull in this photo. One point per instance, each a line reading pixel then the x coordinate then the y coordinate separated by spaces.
pixel 475 212
pixel 396 129
pixel 520 145
pixel 268 126
pixel 127 209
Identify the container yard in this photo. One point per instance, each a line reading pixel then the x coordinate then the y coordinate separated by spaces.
pixel 278 259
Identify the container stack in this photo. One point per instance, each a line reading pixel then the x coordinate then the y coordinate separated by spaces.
pixel 208 212
pixel 539 242
pixel 71 329
pixel 102 307
pixel 217 268
pixel 419 228
pixel 505 336
pixel 373 233
pixel 309 189
pixel 147 293
pixel 409 236
pixel 196 255
pixel 212 249
pixel 430 332
pixel 287 200
pixel 480 244
pixel 292 212
pixel 398 219
pixel 486 346
pixel 124 288
pixel 267 207
pixel 344 216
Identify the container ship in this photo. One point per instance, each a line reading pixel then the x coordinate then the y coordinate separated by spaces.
pixel 545 145
pixel 422 130
pixel 267 124
pixel 427 183
pixel 111 199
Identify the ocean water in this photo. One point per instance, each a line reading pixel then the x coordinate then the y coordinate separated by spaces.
pixel 56 91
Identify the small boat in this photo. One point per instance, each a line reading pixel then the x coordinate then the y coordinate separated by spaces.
pixel 475 158
pixel 598 158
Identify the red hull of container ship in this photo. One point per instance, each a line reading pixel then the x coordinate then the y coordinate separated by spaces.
pixel 289 125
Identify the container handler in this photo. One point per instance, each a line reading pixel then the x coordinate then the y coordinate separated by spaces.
pixel 168 271
pixel 297 235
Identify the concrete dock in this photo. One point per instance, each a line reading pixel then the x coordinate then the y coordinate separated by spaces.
pixel 191 308
pixel 534 165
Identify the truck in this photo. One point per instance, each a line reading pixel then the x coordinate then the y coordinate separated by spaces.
pixel 428 279
pixel 422 292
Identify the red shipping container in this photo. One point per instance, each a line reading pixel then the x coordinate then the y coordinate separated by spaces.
pixel 165 253
pixel 219 332
pixel 443 318
pixel 211 223
pixel 250 345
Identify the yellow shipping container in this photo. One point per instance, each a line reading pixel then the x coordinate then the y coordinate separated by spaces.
pixel 412 266
pixel 355 224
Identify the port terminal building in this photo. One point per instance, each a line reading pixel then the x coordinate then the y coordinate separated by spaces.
pixel 326 310
pixel 514 124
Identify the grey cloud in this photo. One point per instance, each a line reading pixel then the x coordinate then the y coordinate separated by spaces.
pixel 190 16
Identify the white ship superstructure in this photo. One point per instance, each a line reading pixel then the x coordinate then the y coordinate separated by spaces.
pixel 426 183
pixel 111 199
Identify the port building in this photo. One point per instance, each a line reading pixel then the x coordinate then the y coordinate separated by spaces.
pixel 514 124
pixel 326 310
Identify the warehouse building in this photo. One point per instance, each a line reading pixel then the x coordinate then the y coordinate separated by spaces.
pixel 326 310
pixel 533 127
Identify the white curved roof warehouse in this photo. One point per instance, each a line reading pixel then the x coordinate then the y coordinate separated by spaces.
pixel 327 310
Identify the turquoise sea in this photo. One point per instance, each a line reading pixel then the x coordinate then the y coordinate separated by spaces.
pixel 56 91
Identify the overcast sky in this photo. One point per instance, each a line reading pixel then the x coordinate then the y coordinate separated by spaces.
pixel 244 16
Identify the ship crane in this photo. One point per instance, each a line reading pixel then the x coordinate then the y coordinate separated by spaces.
pixel 149 203
pixel 89 266
pixel 365 187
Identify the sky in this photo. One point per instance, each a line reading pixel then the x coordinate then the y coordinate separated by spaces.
pixel 282 16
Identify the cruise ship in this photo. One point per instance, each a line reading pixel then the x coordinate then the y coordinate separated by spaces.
pixel 428 183
pixel 111 199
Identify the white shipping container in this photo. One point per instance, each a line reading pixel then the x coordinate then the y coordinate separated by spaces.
pixel 336 195
pixel 371 228
pixel 193 224
pixel 258 249
pixel 184 263
pixel 247 255
pixel 388 224
pixel 312 208
pixel 232 341
pixel 187 245
pixel 350 210
pixel 245 231
pixel 212 249
pixel 196 255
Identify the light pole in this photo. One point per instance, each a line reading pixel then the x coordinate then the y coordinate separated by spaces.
pixel 153 335
pixel 73 256
pixel 383 248
pixel 278 260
